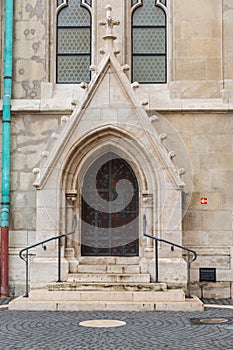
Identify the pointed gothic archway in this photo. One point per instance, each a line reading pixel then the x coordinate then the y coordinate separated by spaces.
pixel 110 207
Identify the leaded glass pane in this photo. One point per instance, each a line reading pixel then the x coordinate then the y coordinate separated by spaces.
pixel 74 40
pixel 149 15
pixel 163 2
pixel 73 69
pixel 74 15
pixel 149 40
pixel 89 2
pixel 149 69
pixel 133 2
pixel 59 2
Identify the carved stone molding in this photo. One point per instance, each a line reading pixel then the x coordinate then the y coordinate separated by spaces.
pixel 65 4
pixel 140 3
pixel 147 198
pixel 71 197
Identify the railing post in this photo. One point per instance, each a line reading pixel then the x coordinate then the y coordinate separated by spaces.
pixel 191 258
pixel 188 279
pixel 156 262
pixel 59 261
pixel 23 254
pixel 26 295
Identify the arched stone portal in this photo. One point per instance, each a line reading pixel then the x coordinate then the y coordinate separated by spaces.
pixel 84 164
pixel 109 118
pixel 110 208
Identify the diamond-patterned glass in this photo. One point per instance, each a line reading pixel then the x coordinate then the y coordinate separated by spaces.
pixel 59 2
pixel 73 69
pixel 149 69
pixel 164 2
pixel 149 40
pixel 149 15
pixel 74 15
pixel 74 40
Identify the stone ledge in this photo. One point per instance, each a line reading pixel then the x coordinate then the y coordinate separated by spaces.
pixel 193 304
pixel 65 286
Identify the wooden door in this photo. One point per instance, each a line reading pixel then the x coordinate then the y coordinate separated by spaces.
pixel 110 208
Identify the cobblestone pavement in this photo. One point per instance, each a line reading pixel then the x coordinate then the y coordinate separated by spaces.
pixel 34 330
pixel 226 301
pixel 5 301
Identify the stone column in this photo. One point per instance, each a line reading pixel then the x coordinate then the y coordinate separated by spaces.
pixel 148 211
pixel 71 197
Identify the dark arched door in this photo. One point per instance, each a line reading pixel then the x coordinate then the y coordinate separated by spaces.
pixel 110 208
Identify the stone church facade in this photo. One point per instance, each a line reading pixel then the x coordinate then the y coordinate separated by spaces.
pixel 128 103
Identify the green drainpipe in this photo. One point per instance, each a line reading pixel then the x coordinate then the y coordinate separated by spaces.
pixel 6 120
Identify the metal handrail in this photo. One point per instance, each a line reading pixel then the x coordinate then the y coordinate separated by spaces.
pixel 23 254
pixel 192 255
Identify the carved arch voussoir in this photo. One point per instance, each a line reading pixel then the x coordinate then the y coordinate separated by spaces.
pixel 99 142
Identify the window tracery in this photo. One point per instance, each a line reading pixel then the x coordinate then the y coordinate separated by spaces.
pixel 149 41
pixel 73 47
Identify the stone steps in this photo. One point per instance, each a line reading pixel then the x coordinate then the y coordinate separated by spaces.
pixel 108 277
pixel 66 286
pixel 110 260
pixel 110 284
pixel 126 296
pixel 120 269
pixel 171 300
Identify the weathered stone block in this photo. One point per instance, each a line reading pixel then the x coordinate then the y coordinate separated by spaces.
pixel 217 220
pixel 193 221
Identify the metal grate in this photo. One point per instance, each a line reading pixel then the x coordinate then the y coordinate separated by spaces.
pixel 210 321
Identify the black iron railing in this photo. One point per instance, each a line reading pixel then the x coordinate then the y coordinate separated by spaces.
pixel 24 254
pixel 192 255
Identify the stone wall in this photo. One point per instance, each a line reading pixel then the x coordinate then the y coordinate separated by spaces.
pixel 30 48
pixel 208 228
pixel 197 101
pixel 30 135
pixel 199 46
pixel 228 48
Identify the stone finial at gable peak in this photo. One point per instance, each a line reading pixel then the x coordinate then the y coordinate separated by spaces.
pixel 109 23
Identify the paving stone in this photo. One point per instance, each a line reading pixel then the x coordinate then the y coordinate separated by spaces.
pixel 5 301
pixel 28 330
pixel 225 301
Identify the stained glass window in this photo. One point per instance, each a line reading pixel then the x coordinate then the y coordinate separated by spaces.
pixel 149 44
pixel 73 43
